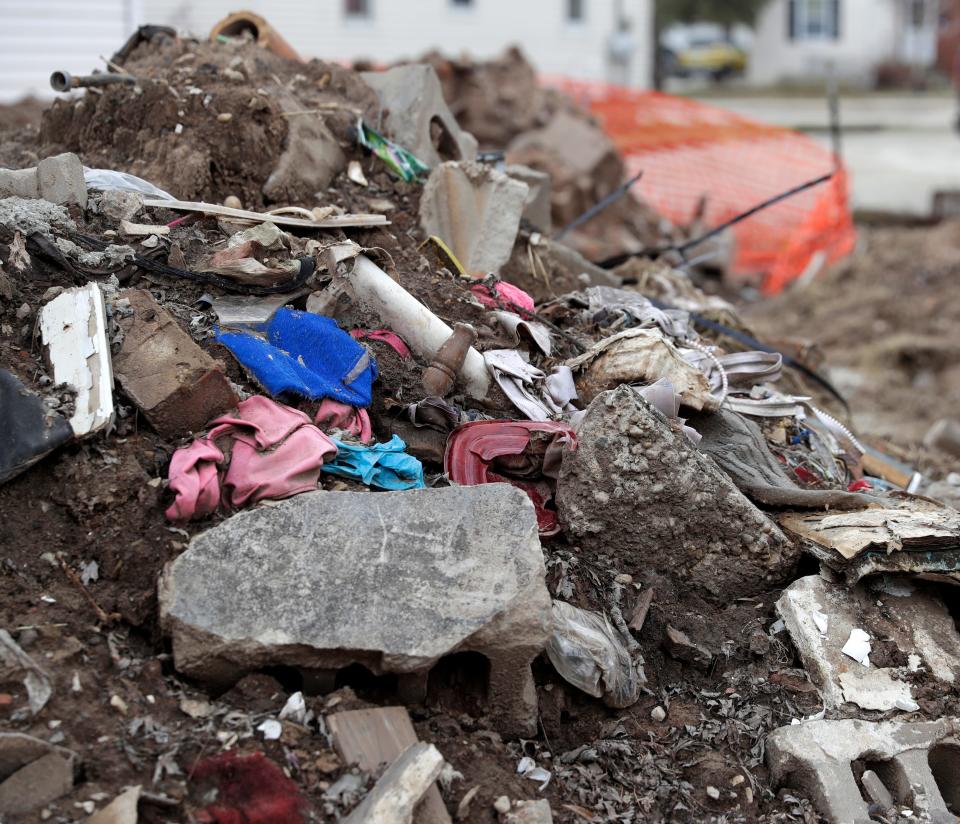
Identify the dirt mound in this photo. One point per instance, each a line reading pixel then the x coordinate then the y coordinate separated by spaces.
pixel 206 120
pixel 888 325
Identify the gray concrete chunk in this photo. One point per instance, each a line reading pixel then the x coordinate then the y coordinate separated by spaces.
pixel 416 115
pixel 638 490
pixel 476 211
pixel 818 756
pixel 820 617
pixel 393 581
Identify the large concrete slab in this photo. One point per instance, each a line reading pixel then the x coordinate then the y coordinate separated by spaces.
pixel 393 581
pixel 820 617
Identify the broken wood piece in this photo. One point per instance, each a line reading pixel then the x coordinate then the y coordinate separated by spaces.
pixel 333 222
pixel 370 738
pixel 122 810
pixel 142 229
pixel 73 327
pixel 394 797
pixel 640 613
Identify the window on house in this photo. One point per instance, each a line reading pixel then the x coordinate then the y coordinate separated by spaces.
pixel 357 9
pixel 814 19
pixel 918 13
pixel 576 11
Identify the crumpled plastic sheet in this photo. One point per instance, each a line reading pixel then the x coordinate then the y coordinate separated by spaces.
pixel 633 309
pixel 345 418
pixel 307 355
pixel 382 465
pixel 107 179
pixel 590 654
pixel 275 452
pixel 500 451
pixel 528 387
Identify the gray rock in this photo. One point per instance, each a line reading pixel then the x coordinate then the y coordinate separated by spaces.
pixel 636 489
pixel 39 782
pixel 476 210
pixel 392 580
pixel 414 109
pixel 60 179
pixel 530 812
pixel 537 206
pixel 679 645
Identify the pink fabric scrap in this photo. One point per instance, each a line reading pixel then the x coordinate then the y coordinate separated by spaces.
pixel 392 339
pixel 511 297
pixel 335 415
pixel 274 452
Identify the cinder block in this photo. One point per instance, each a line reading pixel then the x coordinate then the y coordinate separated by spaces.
pixel 476 211
pixel 918 764
pixel 536 208
pixel 177 385
pixel 416 115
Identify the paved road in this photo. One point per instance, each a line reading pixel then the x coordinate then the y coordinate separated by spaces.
pixel 899 148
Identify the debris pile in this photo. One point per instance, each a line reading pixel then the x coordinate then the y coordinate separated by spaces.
pixel 335 489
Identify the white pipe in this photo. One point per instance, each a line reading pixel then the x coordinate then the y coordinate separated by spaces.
pixel 423 331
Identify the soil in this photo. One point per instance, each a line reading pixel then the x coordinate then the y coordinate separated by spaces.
pixel 117 700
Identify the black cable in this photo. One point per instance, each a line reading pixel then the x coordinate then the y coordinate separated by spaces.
pixel 682 248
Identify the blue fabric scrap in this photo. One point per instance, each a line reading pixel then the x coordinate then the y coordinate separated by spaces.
pixel 307 355
pixel 382 465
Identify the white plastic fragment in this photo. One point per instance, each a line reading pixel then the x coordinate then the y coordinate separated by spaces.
pixel 73 327
pixel 822 621
pixel 295 709
pixel 271 729
pixel 355 173
pixel 907 705
pixel 528 768
pixel 858 646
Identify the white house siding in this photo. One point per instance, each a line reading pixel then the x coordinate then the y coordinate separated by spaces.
pixel 408 28
pixel 38 37
pixel 871 32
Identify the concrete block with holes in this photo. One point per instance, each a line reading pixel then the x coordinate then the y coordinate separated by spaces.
pixel 416 116
pixel 917 763
pixel 391 581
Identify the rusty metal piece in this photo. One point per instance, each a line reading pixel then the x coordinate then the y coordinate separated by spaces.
pixel 439 378
pixel 265 35
pixel 65 82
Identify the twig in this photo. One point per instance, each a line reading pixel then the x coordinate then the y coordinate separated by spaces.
pixel 102 615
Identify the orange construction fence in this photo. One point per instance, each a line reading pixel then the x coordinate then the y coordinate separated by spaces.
pixel 689 150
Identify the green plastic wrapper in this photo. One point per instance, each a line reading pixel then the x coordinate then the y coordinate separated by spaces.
pixel 401 162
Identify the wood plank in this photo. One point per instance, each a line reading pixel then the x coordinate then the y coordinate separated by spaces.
pixel 335 222
pixel 370 738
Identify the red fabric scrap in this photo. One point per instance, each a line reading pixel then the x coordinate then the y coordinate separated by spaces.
pixel 473 447
pixel 392 339
pixel 251 789
pixel 510 297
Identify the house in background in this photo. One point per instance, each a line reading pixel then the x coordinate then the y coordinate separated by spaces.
pixel 607 40
pixel 804 40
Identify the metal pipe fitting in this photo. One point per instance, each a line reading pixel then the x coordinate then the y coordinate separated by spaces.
pixel 65 82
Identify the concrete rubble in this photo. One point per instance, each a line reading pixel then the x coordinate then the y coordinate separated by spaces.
pixel 917 763
pixel 445 570
pixel 476 210
pixel 416 116
pixel 342 480
pixel 820 617
pixel 628 452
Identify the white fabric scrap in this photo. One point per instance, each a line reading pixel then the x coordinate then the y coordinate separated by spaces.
pixel 536 332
